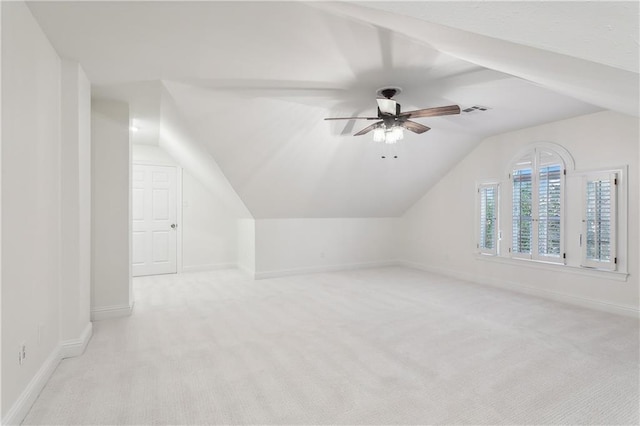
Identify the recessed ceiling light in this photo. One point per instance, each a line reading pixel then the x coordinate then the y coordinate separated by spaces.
pixel 134 129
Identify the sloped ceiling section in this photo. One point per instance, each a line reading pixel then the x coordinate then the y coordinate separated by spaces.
pixel 286 163
pixel 608 78
pixel 177 139
pixel 602 32
pixel 249 83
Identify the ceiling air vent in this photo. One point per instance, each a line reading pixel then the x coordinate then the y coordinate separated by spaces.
pixel 475 109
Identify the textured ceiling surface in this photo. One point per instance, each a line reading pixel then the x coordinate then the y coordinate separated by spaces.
pixel 252 82
pixel 605 32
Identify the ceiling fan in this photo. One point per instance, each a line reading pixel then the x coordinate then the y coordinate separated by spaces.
pixel 392 122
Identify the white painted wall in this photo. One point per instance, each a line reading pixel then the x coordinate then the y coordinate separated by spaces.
pixel 75 249
pixel 209 231
pixel 151 154
pixel 289 246
pixel 246 245
pixel 439 230
pixel 110 209
pixel 30 202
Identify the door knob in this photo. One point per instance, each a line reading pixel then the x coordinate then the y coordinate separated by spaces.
pixel 174 226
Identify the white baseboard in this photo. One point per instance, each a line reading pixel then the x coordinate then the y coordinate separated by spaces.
pixel 76 347
pixel 21 407
pixel 209 267
pixel 66 349
pixel 250 272
pixel 629 311
pixel 324 268
pixel 108 312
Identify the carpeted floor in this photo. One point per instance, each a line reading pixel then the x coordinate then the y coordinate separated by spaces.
pixel 377 346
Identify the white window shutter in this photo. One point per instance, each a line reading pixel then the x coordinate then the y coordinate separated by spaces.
pixel 550 210
pixel 522 212
pixel 488 196
pixel 599 222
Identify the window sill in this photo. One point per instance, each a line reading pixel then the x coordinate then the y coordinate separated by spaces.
pixel 558 267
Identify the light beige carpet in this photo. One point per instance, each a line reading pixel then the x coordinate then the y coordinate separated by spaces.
pixel 376 346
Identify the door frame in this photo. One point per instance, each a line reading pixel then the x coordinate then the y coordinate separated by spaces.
pixel 178 210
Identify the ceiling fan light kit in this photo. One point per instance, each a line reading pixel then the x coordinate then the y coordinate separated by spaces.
pixel 387 135
pixel 393 122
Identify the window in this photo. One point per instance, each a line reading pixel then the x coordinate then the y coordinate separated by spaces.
pixel 576 220
pixel 537 205
pixel 598 238
pixel 488 226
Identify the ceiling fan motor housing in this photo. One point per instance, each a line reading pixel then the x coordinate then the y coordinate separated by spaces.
pixel 389 92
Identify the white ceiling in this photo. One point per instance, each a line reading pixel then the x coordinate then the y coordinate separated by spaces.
pixel 605 32
pixel 591 81
pixel 254 80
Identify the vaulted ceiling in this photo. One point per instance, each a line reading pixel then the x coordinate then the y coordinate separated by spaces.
pixel 252 82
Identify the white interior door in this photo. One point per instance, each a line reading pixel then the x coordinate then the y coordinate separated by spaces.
pixel 154 214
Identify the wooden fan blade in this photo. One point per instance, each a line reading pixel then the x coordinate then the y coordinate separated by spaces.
pixel 415 127
pixel 353 118
pixel 432 112
pixel 368 128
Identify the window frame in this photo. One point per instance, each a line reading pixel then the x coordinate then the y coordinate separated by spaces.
pixel 572 230
pixel 535 164
pixel 613 176
pixel 480 188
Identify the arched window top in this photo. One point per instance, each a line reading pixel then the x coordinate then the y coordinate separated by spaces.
pixel 547 157
pixel 544 153
pixel 537 183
